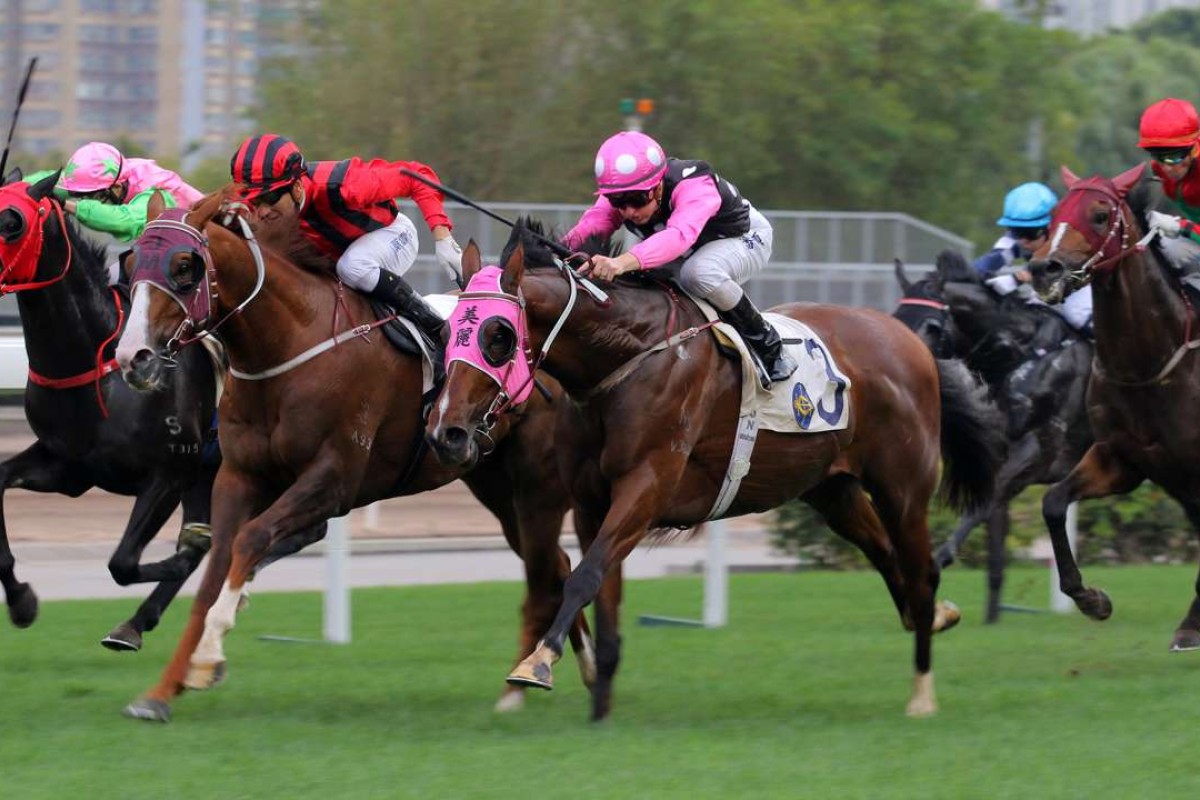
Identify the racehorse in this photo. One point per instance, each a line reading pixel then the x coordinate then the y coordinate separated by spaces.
pixel 91 429
pixel 322 415
pixel 1037 371
pixel 1145 384
pixel 658 416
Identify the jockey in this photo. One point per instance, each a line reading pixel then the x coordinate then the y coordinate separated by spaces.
pixel 347 210
pixel 1028 210
pixel 687 218
pixel 110 193
pixel 1170 132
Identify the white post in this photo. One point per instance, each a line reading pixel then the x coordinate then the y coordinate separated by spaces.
pixel 337 587
pixel 371 517
pixel 1059 602
pixel 716 578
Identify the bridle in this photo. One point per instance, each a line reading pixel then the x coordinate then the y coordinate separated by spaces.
pixel 1119 232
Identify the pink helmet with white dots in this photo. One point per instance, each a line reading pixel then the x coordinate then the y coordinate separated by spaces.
pixel 92 168
pixel 629 161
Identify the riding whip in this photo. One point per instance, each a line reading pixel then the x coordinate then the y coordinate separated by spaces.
pixel 555 247
pixel 12 128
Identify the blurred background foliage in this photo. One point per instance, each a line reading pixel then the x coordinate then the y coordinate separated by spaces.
pixel 933 108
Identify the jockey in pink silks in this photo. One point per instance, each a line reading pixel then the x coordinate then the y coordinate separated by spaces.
pixel 110 193
pixel 691 221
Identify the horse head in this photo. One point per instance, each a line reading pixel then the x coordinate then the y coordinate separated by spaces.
pixel 924 311
pixel 174 287
pixel 24 212
pixel 1091 232
pixel 489 359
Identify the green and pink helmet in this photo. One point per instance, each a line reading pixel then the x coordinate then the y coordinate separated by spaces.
pixel 92 168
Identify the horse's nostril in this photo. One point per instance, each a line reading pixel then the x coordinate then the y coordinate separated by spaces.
pixel 141 360
pixel 454 437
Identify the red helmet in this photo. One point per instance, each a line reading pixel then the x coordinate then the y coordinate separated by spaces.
pixel 1169 123
pixel 264 163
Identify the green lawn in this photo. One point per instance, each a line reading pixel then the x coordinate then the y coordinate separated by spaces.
pixel 802 695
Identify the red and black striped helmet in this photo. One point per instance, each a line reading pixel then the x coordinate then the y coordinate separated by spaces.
pixel 264 163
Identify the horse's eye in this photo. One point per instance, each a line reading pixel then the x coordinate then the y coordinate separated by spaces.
pixel 12 227
pixel 1100 217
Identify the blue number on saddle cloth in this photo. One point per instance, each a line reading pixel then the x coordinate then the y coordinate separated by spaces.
pixel 839 394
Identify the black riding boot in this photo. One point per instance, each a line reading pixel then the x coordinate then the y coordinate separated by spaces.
pixel 762 339
pixel 395 291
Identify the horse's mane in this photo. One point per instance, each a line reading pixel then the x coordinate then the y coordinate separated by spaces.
pixel 953 267
pixel 526 233
pixel 92 254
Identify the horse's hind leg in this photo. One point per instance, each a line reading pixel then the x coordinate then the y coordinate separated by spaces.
pixel 997 535
pixel 36 469
pixel 1187 635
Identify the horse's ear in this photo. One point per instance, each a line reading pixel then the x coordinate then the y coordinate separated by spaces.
pixel 472 261
pixel 14 176
pixel 1128 179
pixel 1069 178
pixel 514 269
pixel 42 189
pixel 156 206
pixel 902 277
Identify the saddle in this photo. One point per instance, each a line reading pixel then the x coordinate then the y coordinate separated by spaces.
pixel 406 337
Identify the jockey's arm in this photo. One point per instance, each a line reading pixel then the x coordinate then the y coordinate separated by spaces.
pixel 379 181
pixel 601 220
pixel 124 222
pixel 694 202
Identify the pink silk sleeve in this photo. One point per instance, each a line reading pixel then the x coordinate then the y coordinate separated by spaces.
pixel 599 220
pixel 695 202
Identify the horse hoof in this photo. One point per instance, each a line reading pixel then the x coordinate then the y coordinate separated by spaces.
pixel 123 638
pixel 1095 604
pixel 923 702
pixel 1185 640
pixel 23 606
pixel 944 557
pixel 510 701
pixel 536 675
pixel 149 710
pixel 921 708
pixel 586 658
pixel 946 615
pixel 205 676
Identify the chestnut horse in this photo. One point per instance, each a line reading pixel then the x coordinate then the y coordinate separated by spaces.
pixel 91 429
pixel 1145 384
pixel 308 434
pixel 659 408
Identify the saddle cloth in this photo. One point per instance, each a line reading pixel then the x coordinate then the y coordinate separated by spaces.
pixel 815 399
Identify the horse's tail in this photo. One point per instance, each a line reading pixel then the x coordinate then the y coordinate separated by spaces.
pixel 972 439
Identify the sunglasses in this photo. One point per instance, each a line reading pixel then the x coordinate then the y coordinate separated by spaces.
pixel 1170 158
pixel 635 199
pixel 272 197
pixel 108 196
pixel 1028 234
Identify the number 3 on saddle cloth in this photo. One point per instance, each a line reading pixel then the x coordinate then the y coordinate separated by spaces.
pixel 815 399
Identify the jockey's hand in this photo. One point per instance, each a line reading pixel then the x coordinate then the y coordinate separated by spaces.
pixel 1165 224
pixel 449 258
pixel 603 268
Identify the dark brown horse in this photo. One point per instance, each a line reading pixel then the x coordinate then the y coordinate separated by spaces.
pixel 659 413
pixel 309 437
pixel 1145 384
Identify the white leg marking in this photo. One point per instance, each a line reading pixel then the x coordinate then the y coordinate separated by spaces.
pixel 217 622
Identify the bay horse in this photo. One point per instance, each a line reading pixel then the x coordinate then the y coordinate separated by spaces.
pixel 658 413
pixel 1145 383
pixel 322 415
pixel 91 429
pixel 1037 371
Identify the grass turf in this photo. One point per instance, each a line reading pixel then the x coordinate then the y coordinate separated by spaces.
pixel 802 695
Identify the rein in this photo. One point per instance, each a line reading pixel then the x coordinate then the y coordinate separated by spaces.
pixel 93 375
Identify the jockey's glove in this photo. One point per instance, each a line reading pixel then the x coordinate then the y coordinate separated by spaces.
pixel 1002 284
pixel 449 258
pixel 1166 224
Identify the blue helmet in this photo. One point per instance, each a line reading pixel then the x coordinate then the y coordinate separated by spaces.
pixel 1028 206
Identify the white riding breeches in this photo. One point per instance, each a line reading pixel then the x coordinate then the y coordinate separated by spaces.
pixel 715 271
pixel 393 248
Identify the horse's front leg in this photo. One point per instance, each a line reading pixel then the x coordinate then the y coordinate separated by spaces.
pixel 321 492
pixel 38 470
pixel 636 502
pixel 1187 635
pixel 235 499
pixel 195 539
pixel 1098 474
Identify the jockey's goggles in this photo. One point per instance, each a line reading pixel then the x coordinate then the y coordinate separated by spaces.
pixel 1169 157
pixel 108 195
pixel 633 199
pixel 272 197
pixel 1028 234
